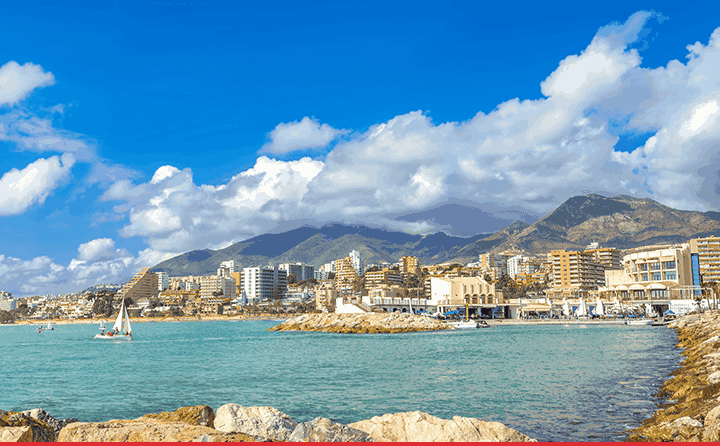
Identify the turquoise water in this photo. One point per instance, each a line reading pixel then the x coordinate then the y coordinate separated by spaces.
pixel 553 383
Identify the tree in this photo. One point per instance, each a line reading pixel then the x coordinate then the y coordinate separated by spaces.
pixel 291 279
pixel 6 317
pixel 487 278
pixel 277 293
pixel 218 293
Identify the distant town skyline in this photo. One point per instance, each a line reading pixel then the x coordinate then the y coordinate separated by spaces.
pixel 134 132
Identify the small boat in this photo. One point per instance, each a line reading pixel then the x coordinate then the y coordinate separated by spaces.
pixel 50 326
pixel 639 322
pixel 464 324
pixel 102 325
pixel 121 329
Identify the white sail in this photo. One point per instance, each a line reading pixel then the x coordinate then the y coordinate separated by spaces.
pixel 128 330
pixel 118 322
pixel 565 308
pixel 102 325
pixel 599 308
pixel 582 309
pixel 49 326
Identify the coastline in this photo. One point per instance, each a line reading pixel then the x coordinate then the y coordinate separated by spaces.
pixel 96 321
pixel 692 408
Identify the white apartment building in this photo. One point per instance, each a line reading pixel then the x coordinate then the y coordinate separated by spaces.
pixel 300 270
pixel 163 281
pixel 357 262
pixel 227 267
pixel 8 304
pixel 260 282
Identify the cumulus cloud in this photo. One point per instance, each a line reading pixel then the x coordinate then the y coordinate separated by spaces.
pixel 306 134
pixel 17 81
pixel 20 189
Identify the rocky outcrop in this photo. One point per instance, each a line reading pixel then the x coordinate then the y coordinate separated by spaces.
pixel 40 430
pixel 361 323
pixel 693 392
pixel 185 424
pixel 266 422
pixel 325 430
pixel 54 423
pixel 20 434
pixel 196 416
pixel 418 426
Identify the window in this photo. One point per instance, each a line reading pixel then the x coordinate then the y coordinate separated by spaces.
pixel 655 266
pixel 642 267
pixel 644 277
pixel 656 276
pixel 669 265
pixel 670 275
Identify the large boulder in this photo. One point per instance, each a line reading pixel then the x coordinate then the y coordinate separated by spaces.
pixel 258 421
pixel 325 430
pixel 418 426
pixel 41 431
pixel 196 416
pixel 20 434
pixel 143 431
pixel 54 423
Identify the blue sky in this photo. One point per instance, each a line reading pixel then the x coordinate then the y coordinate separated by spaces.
pixel 135 131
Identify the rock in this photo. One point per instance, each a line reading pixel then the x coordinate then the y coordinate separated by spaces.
pixel 325 430
pixel 714 378
pixel 361 323
pixel 418 426
pixel 54 423
pixel 257 421
pixel 41 431
pixel 20 434
pixel 144 431
pixel 196 416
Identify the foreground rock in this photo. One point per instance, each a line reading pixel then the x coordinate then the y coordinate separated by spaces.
pixel 325 430
pixel 265 422
pixel 185 424
pixel 30 429
pixel 418 426
pixel 361 323
pixel 54 423
pixel 694 389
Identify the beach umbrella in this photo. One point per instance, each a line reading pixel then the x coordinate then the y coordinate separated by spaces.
pixel 599 308
pixel 668 312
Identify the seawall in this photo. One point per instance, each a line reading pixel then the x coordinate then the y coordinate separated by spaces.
pixel 692 411
pixel 361 323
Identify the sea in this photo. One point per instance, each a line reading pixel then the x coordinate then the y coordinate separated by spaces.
pixel 575 382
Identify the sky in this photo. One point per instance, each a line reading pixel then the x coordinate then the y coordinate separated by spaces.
pixel 134 131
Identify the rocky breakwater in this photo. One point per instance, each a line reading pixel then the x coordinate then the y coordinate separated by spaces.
pixel 361 323
pixel 235 423
pixel 692 411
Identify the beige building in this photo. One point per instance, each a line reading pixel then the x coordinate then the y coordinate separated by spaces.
pixel 660 274
pixel 707 250
pixel 143 285
pixel 609 258
pixel 385 276
pixel 345 274
pixel 409 265
pixel 449 293
pixel 325 296
pixel 217 286
pixel 575 273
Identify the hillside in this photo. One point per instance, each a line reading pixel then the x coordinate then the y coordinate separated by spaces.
pixel 622 222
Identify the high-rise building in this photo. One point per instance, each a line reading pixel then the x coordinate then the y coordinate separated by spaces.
pixel 494 262
pixel 610 258
pixel 227 268
pixel 263 282
pixel 409 265
pixel 163 280
pixel 385 276
pixel 706 259
pixel 575 272
pixel 143 285
pixel 357 262
pixel 217 286
pixel 299 270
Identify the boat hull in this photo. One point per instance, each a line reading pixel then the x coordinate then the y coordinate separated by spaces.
pixel 647 322
pixel 118 337
pixel 464 325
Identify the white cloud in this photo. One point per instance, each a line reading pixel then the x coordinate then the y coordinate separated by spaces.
pixel 17 81
pixel 20 189
pixel 306 134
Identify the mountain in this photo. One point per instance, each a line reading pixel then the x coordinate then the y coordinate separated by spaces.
pixel 621 222
pixel 317 246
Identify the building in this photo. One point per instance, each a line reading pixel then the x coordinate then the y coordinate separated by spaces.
pixel 214 287
pixel 299 270
pixel 705 255
pixel 660 275
pixel 496 263
pixel 575 273
pixel 263 282
pixel 227 268
pixel 385 276
pixel 610 258
pixel 345 274
pixel 480 296
pixel 163 281
pixel 325 297
pixel 8 304
pixel 409 265
pixel 357 262
pixel 143 284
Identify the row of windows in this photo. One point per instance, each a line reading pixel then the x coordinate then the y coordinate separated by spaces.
pixel 668 275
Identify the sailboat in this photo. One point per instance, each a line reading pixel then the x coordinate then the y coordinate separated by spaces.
pixel 121 328
pixel 467 323
pixel 102 325
pixel 50 326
